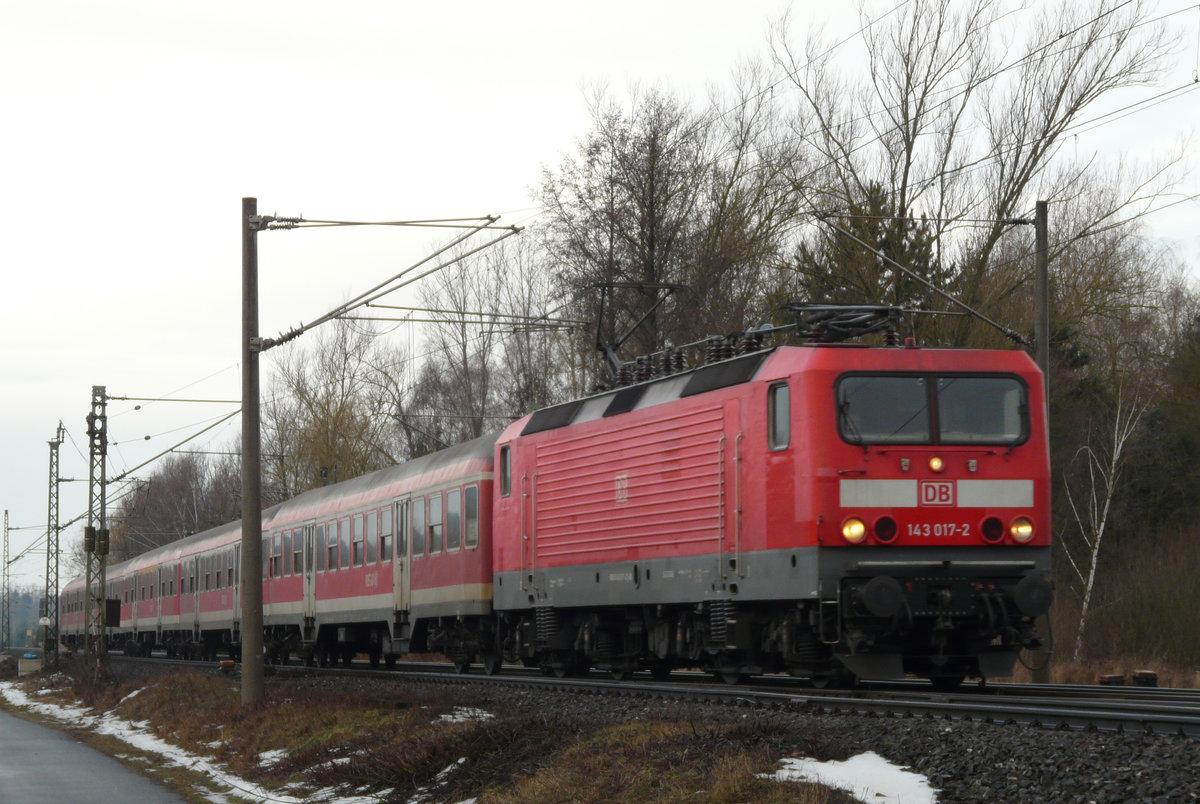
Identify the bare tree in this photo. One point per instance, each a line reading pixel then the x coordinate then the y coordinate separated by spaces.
pixel 965 128
pixel 661 194
pixel 183 495
pixel 1104 458
pixel 325 419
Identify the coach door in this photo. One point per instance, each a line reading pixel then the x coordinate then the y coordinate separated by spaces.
pixel 310 575
pixel 194 591
pixel 401 579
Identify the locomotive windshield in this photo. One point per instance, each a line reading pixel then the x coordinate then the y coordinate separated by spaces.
pixel 912 409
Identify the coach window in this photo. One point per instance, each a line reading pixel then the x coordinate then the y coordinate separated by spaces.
pixel 358 540
pixel 218 569
pixel 286 553
pixel 333 545
pixel 418 526
pixel 385 534
pixel 320 549
pixel 298 551
pixel 471 536
pixel 453 519
pixel 372 537
pixel 505 471
pixel 266 557
pixel 778 416
pixel 435 523
pixel 344 543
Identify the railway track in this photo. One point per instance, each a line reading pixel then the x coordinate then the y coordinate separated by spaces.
pixel 1115 709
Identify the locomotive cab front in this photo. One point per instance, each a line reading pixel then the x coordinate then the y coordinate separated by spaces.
pixel 934 526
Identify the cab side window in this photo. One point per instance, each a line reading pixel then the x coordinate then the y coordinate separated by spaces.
pixel 778 416
pixel 505 471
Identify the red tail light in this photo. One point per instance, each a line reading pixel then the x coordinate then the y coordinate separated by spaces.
pixel 885 530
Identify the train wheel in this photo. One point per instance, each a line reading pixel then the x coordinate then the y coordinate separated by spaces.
pixel 491 663
pixel 730 677
pixel 389 661
pixel 660 671
pixel 621 673
pixel 462 665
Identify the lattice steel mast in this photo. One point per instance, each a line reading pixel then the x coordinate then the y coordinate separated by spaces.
pixel 50 643
pixel 95 535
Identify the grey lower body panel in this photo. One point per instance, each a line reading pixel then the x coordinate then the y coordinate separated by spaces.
pixel 768 575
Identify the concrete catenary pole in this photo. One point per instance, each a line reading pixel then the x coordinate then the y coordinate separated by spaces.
pixel 1041 334
pixel 5 610
pixel 253 686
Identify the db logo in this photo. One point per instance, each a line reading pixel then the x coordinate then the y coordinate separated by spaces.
pixel 936 492
pixel 621 487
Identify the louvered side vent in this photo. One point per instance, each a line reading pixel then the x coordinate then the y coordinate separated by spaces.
pixel 720 612
pixel 546 619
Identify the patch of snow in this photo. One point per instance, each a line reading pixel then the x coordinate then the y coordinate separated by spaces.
pixel 268 758
pixel 138 736
pixel 127 697
pixel 465 714
pixel 867 777
pixel 423 793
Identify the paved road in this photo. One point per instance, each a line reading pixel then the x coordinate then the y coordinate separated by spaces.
pixel 38 765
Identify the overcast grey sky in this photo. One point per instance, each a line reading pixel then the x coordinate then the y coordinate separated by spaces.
pixel 131 131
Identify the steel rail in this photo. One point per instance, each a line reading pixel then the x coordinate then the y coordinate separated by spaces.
pixel 1158 717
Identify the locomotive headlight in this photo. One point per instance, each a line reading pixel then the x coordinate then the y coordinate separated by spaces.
pixel 1021 530
pixel 936 464
pixel 853 530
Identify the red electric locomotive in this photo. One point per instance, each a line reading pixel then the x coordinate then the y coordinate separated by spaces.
pixel 824 510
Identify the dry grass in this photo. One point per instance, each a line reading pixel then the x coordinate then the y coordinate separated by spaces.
pixel 389 740
pixel 665 761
